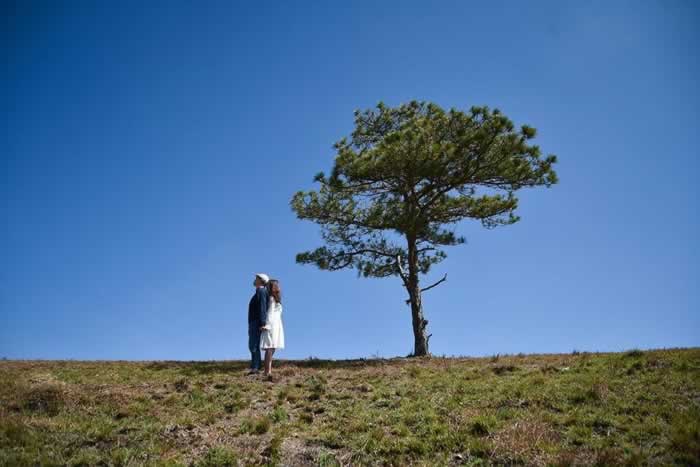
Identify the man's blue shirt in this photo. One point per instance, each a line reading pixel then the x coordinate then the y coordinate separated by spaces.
pixel 257 308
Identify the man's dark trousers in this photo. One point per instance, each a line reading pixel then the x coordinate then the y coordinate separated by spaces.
pixel 254 345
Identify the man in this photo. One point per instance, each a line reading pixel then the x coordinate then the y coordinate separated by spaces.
pixel 257 317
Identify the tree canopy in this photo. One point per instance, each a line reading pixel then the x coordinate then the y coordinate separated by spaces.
pixel 414 170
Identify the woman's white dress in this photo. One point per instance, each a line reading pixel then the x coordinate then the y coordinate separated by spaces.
pixel 273 336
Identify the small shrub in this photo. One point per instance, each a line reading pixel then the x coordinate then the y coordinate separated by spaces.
pixel 287 371
pixel 246 426
pixel 478 449
pixel 261 425
pixel 597 391
pixel 656 363
pixel 602 426
pixel 364 388
pixel 279 415
pixel 414 371
pixel 282 394
pixel 501 369
pixel 537 380
pixel 273 450
pixel 288 393
pixel 257 426
pixel 579 435
pixel 181 385
pixel 415 446
pixel 332 439
pixel 317 387
pixel 635 367
pixel 480 426
pixel 634 353
pixel 123 456
pixel 306 417
pixel 580 396
pixel 233 403
pixel 196 399
pixel 683 366
pixel 327 459
pixel 218 456
pixel 44 399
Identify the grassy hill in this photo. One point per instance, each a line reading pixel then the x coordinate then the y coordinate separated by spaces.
pixel 636 407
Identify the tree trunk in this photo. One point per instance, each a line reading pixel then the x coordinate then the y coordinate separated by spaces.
pixel 420 336
pixel 420 346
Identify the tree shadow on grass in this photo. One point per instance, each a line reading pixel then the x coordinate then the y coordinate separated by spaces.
pixel 192 368
pixel 353 364
pixel 237 366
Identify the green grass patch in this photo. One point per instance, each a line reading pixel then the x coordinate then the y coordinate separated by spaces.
pixel 580 408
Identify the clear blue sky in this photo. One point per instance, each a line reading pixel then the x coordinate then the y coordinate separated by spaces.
pixel 149 154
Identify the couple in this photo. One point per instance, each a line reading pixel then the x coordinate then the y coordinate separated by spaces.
pixel 265 323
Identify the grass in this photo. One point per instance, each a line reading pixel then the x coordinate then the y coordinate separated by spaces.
pixel 630 408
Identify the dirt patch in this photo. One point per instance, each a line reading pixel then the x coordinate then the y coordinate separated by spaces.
pixel 45 399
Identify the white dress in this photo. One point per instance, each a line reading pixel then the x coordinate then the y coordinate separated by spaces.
pixel 273 336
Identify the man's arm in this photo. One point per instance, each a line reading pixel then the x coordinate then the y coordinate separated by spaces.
pixel 262 304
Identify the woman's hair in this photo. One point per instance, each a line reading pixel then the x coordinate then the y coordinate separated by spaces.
pixel 273 287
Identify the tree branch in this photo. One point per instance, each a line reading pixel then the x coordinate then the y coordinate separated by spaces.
pixel 408 300
pixel 402 273
pixel 361 252
pixel 435 284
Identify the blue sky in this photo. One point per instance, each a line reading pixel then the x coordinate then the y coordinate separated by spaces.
pixel 149 154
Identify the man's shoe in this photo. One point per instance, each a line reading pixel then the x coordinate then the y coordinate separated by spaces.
pixel 252 372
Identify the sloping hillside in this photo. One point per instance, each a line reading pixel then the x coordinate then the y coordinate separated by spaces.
pixel 635 407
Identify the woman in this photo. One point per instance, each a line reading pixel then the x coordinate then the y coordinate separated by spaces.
pixel 273 334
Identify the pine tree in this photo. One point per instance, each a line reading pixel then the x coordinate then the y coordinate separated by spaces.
pixel 404 178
